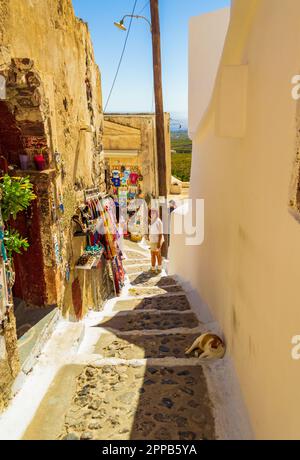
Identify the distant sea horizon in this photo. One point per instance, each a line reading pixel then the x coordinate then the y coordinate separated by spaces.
pixel 179 121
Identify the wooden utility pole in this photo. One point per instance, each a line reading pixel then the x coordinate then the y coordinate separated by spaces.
pixel 159 107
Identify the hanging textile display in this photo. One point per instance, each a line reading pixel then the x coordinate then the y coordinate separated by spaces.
pixel 98 216
pixel 133 178
pixel 112 237
pixel 126 178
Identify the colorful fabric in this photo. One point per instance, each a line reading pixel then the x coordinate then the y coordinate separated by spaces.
pixel 116 181
pixel 103 215
pixel 115 174
pixel 133 178
pixel 126 174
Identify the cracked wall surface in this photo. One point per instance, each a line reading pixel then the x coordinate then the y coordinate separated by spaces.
pixel 53 106
pixel 9 361
pixel 64 119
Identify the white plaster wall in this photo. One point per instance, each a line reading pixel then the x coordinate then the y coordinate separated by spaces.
pixel 207 35
pixel 247 269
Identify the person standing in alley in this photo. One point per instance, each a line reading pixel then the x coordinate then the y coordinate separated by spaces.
pixel 156 239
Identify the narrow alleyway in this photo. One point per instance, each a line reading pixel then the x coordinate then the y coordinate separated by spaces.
pixel 158 399
pixel 127 376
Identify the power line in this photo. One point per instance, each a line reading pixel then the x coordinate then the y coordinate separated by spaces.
pixel 121 57
pixel 144 7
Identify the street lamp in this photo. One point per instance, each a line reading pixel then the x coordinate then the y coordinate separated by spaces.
pixel 121 26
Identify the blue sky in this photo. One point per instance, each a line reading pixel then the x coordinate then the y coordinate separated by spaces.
pixel 134 88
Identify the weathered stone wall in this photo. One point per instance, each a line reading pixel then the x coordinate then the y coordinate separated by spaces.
pixel 86 289
pixel 142 140
pixel 53 106
pixel 45 36
pixel 9 361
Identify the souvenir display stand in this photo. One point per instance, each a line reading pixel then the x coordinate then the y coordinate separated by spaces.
pixel 96 222
pixel 126 187
pixel 125 179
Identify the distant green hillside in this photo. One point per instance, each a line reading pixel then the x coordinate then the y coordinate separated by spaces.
pixel 181 142
pixel 181 166
pixel 182 159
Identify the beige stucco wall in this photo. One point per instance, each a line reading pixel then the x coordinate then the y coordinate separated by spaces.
pixel 137 132
pixel 206 37
pixel 247 269
pixel 45 37
pixel 59 44
pixel 121 137
pixel 48 32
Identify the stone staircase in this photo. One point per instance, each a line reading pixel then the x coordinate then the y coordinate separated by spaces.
pixel 143 385
pixel 122 374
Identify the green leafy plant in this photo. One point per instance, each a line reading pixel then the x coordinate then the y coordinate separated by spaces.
pixel 16 195
pixel 14 242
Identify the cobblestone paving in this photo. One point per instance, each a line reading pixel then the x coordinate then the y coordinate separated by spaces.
pixel 135 256
pixel 181 303
pixel 148 279
pixel 147 321
pixel 138 268
pixel 150 346
pixel 129 262
pixel 147 291
pixel 161 400
pixel 117 402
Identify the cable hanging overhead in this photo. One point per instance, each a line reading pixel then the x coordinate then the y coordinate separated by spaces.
pixel 145 6
pixel 121 57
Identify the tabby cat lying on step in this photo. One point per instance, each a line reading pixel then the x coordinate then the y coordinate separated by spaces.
pixel 208 345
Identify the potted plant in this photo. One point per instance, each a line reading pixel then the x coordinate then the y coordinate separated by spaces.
pixel 39 161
